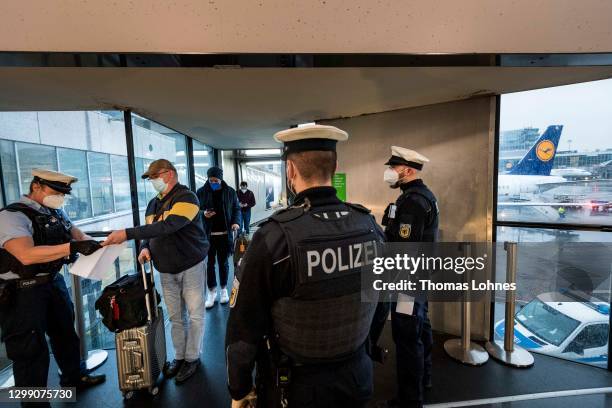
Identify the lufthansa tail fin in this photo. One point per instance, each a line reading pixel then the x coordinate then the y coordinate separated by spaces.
pixel 539 159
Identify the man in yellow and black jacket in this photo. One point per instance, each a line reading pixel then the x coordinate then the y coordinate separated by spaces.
pixel 174 239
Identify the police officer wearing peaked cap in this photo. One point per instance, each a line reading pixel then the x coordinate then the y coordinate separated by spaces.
pixel 36 240
pixel 296 310
pixel 412 218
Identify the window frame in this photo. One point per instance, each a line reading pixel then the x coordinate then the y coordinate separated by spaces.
pixel 529 224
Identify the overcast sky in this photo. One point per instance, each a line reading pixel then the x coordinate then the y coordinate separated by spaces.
pixel 585 111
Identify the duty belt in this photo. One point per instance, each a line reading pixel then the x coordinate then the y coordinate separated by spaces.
pixel 35 281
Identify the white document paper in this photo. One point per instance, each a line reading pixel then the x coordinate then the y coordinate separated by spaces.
pixel 405 304
pixel 98 265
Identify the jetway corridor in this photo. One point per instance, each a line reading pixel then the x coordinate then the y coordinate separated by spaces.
pixel 291 205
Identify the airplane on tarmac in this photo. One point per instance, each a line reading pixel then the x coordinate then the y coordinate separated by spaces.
pixel 532 174
pixel 572 172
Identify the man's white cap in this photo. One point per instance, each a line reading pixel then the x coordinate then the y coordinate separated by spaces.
pixel 310 137
pixel 411 158
pixel 58 181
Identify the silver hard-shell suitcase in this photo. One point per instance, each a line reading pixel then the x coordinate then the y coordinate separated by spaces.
pixel 141 351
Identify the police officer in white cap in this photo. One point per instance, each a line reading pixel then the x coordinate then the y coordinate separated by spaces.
pixel 36 240
pixel 412 218
pixel 296 299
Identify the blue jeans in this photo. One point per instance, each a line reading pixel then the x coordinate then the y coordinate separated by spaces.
pixel 186 289
pixel 245 220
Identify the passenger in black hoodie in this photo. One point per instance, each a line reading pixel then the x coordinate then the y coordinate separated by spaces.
pixel 221 209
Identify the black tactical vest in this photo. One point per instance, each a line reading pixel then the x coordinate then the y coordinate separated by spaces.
pixel 48 229
pixel 325 319
pixel 430 230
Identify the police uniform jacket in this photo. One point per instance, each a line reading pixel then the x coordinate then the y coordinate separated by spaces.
pixel 264 278
pixel 416 215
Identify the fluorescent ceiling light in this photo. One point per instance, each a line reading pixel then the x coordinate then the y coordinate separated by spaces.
pixel 262 152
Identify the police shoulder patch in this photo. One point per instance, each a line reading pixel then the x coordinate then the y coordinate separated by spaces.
pixel 404 230
pixel 234 294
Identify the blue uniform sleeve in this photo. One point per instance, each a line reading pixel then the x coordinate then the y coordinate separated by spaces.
pixel 14 224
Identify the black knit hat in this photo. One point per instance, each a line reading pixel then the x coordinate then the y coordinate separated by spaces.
pixel 215 172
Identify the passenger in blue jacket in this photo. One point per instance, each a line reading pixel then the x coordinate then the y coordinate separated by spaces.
pixel 221 209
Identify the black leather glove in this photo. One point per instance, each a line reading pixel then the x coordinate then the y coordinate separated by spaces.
pixel 84 247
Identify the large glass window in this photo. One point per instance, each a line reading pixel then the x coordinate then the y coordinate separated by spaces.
pixel 9 170
pixel 91 146
pixel 264 179
pixel 180 143
pixel 563 292
pixel 202 161
pixel 555 167
pixel 31 157
pixel 555 155
pixel 121 183
pixel 153 141
pixel 102 183
pixel 74 162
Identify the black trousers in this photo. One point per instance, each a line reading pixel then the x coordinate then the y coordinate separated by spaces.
pixel 34 312
pixel 413 342
pixel 346 384
pixel 219 250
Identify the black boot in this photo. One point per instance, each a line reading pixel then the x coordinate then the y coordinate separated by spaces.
pixel 188 369
pixel 89 380
pixel 171 369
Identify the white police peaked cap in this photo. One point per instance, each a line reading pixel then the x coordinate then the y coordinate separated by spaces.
pixel 411 158
pixel 310 137
pixel 58 181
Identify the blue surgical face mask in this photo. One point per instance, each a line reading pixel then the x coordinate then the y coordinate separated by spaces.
pixel 215 185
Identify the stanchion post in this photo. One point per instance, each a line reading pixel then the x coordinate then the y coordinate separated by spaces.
pixel 78 314
pixel 510 248
pixel 93 358
pixel 507 352
pixel 463 349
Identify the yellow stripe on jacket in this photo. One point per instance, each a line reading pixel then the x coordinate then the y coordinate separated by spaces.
pixel 182 209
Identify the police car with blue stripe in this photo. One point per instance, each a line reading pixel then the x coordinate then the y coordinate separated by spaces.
pixel 564 324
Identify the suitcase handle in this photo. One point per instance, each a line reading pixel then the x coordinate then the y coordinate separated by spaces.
pixel 148 293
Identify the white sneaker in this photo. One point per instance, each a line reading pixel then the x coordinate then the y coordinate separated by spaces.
pixel 211 296
pixel 224 296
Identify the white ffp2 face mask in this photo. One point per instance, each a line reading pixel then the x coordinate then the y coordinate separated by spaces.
pixel 55 201
pixel 243 189
pixel 159 185
pixel 390 176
